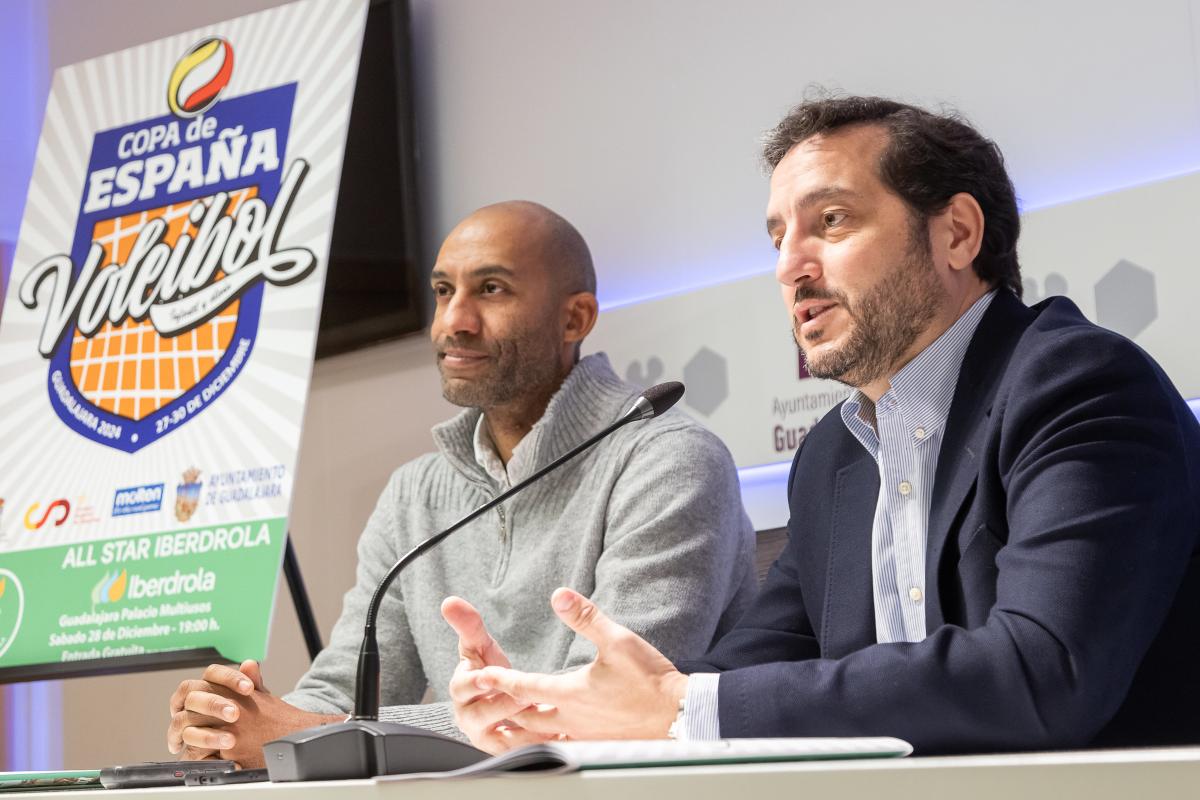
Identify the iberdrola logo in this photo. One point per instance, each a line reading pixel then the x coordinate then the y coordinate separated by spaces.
pixel 154 312
pixel 12 608
pixel 110 589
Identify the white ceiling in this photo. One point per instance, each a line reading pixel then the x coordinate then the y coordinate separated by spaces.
pixel 638 119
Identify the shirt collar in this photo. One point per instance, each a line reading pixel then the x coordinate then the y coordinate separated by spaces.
pixel 591 397
pixel 923 389
pixel 486 455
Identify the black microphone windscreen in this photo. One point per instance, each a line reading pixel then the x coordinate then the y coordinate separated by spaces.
pixel 663 396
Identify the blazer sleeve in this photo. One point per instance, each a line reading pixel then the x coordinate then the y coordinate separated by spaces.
pixel 1099 502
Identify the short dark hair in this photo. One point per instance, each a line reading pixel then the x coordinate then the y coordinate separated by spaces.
pixel 928 159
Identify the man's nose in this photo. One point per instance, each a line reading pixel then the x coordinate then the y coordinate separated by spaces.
pixel 798 262
pixel 461 315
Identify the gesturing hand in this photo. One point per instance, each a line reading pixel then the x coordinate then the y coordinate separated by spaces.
pixel 484 716
pixel 630 691
pixel 230 714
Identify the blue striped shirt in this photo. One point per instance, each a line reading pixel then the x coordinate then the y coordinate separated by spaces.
pixel 909 421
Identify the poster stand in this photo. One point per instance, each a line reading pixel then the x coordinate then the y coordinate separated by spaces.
pixel 304 612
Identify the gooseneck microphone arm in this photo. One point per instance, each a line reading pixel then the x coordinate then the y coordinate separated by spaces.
pixel 651 403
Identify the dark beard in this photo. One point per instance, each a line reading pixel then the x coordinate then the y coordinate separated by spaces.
pixel 520 367
pixel 884 322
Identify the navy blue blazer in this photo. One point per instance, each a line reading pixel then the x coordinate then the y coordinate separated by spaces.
pixel 1062 564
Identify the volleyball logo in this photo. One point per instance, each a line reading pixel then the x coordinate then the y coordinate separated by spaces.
pixel 154 312
pixel 199 77
pixel 129 368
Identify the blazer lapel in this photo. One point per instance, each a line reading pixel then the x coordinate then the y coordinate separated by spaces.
pixel 849 614
pixel 966 425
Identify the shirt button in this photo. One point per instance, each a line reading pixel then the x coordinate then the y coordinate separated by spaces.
pixel 905 488
pixel 916 594
pixel 919 433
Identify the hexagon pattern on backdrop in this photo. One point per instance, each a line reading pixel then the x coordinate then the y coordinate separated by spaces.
pixel 1125 299
pixel 645 376
pixel 706 377
pixel 1053 284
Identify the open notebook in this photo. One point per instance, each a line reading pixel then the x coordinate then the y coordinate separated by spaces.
pixel 49 781
pixel 557 757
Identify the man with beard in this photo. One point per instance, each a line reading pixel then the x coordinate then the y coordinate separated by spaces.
pixel 993 541
pixel 649 521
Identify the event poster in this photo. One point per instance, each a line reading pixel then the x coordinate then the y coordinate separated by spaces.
pixel 157 336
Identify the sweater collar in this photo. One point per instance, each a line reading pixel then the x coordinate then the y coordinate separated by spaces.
pixel 590 397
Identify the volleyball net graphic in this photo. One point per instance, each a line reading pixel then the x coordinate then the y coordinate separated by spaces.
pixel 130 369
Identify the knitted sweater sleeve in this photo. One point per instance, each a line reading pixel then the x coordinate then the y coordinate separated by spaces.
pixel 328 686
pixel 678 560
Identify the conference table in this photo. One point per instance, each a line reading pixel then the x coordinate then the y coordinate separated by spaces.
pixel 1096 775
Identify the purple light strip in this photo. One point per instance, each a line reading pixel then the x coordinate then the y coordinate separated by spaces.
pixel 16 709
pixel 765 474
pixel 33 728
pixel 714 278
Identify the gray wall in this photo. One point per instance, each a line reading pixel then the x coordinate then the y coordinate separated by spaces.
pixel 639 120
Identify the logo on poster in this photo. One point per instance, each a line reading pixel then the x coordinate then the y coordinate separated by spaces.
pixel 137 499
pixel 187 495
pixel 199 77
pixel 110 589
pixel 114 586
pixel 155 311
pixel 12 608
pixel 33 522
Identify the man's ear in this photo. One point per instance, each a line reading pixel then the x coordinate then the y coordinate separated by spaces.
pixel 580 311
pixel 961 230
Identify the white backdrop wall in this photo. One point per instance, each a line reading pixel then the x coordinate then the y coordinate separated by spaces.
pixel 639 121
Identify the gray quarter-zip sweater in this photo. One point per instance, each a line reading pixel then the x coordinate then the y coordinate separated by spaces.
pixel 648 523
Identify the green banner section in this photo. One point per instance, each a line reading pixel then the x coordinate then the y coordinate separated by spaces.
pixel 142 594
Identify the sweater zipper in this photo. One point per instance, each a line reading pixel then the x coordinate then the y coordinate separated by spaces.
pixel 505 549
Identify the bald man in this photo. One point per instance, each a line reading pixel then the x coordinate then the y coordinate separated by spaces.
pixel 649 523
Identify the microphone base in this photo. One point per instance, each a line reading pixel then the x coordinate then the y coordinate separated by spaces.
pixel 363 749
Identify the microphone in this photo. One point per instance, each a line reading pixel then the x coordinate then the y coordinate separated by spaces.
pixel 363 747
pixel 651 403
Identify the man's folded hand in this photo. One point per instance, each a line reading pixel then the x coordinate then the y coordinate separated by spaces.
pixel 229 713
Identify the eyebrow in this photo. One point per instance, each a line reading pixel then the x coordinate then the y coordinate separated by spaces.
pixel 486 271
pixel 814 197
